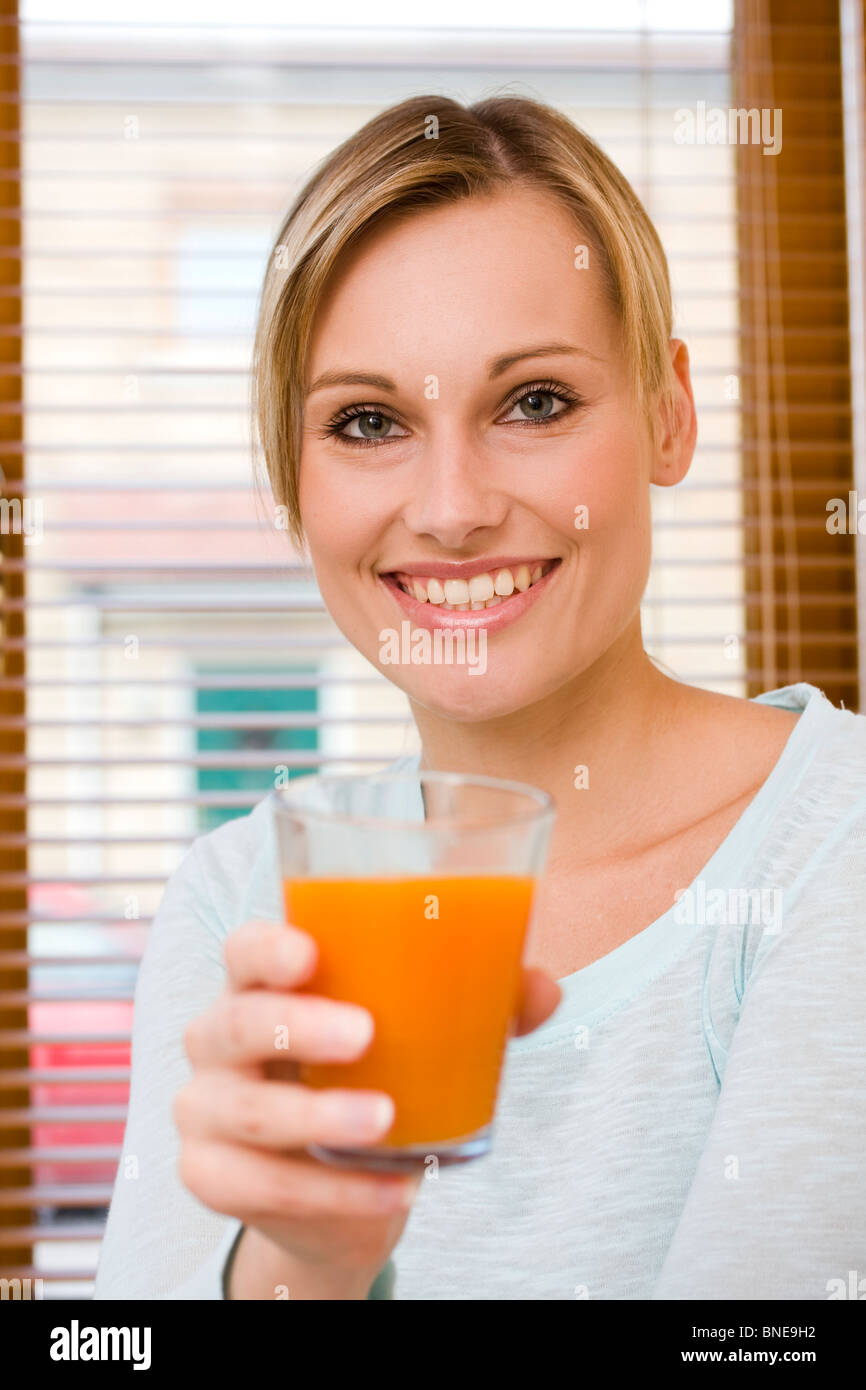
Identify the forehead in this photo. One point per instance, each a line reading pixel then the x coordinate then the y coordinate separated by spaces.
pixel 477 275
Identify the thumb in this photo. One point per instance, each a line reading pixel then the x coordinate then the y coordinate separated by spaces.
pixel 539 997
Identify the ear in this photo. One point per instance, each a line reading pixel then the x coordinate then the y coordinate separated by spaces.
pixel 676 428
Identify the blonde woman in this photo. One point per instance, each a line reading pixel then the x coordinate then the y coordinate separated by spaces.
pixel 465 347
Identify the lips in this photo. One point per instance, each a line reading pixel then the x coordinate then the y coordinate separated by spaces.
pixel 487 588
pixel 490 598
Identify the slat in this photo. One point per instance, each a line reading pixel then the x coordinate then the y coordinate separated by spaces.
pixel 71 1154
pixel 65 1076
pixel 66 1115
pixel 583 48
pixel 253 720
pixel 17 1037
pixel 239 800
pixel 40 959
pixel 279 681
pixel 104 841
pixel 52 1230
pixel 65 1195
pixel 11 997
pixel 290 758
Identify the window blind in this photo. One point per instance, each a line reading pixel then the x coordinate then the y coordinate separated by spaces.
pixel 177 653
pixel 798 472
pixel 14 1053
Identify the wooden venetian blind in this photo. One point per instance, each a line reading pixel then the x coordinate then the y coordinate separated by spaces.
pixel 801 610
pixel 15 1213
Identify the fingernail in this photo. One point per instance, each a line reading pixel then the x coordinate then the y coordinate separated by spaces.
pixel 350 1030
pixel 296 952
pixel 358 1117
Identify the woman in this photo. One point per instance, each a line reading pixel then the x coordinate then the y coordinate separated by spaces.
pixel 466 381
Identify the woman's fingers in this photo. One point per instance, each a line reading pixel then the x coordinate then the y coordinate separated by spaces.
pixel 259 1187
pixel 257 1026
pixel 228 1106
pixel 252 1023
pixel 269 955
pixel 273 955
pixel 539 998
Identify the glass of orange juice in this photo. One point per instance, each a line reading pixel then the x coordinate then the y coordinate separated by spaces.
pixel 417 888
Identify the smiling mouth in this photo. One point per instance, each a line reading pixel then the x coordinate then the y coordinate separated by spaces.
pixel 488 589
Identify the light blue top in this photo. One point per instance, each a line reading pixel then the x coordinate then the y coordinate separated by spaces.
pixel 689 1123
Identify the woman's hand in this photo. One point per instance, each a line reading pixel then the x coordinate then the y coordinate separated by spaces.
pixel 323 1231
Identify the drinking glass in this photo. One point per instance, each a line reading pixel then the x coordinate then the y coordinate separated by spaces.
pixel 417 888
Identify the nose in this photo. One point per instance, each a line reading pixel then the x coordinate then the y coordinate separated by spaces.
pixel 454 492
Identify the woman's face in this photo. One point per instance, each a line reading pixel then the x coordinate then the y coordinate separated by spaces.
pixel 469 421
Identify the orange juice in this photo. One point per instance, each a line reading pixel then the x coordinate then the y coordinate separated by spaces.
pixel 437 961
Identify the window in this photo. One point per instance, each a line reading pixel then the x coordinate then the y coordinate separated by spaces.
pixel 176 651
pixel 260 718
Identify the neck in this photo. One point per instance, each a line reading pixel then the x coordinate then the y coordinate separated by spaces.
pixel 614 720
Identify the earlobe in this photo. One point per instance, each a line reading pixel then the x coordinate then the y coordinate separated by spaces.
pixel 668 453
pixel 676 423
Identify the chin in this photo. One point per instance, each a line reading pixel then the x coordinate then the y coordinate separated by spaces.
pixel 475 699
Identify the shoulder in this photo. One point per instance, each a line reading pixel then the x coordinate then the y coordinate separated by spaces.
pixel 818 749
pixel 815 848
pixel 804 834
pixel 832 754
pixel 824 784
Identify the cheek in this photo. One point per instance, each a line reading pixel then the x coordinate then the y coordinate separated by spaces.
pixel 317 500
pixel 605 503
pixel 338 537
pixel 614 540
pixel 342 511
pixel 333 529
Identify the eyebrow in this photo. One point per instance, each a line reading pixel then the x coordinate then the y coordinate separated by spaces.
pixel 495 367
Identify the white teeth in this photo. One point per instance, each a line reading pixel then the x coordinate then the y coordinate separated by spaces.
pixel 481 591
pixel 456 591
pixel 480 588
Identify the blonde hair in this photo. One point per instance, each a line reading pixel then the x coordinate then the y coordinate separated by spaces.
pixel 427 151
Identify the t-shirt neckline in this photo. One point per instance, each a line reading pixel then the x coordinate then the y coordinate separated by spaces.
pixel 597 990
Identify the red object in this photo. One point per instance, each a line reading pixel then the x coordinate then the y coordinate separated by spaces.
pixel 112 1017
pixel 84 1020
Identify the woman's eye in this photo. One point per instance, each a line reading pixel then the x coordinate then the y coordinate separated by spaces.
pixel 538 405
pixel 373 424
